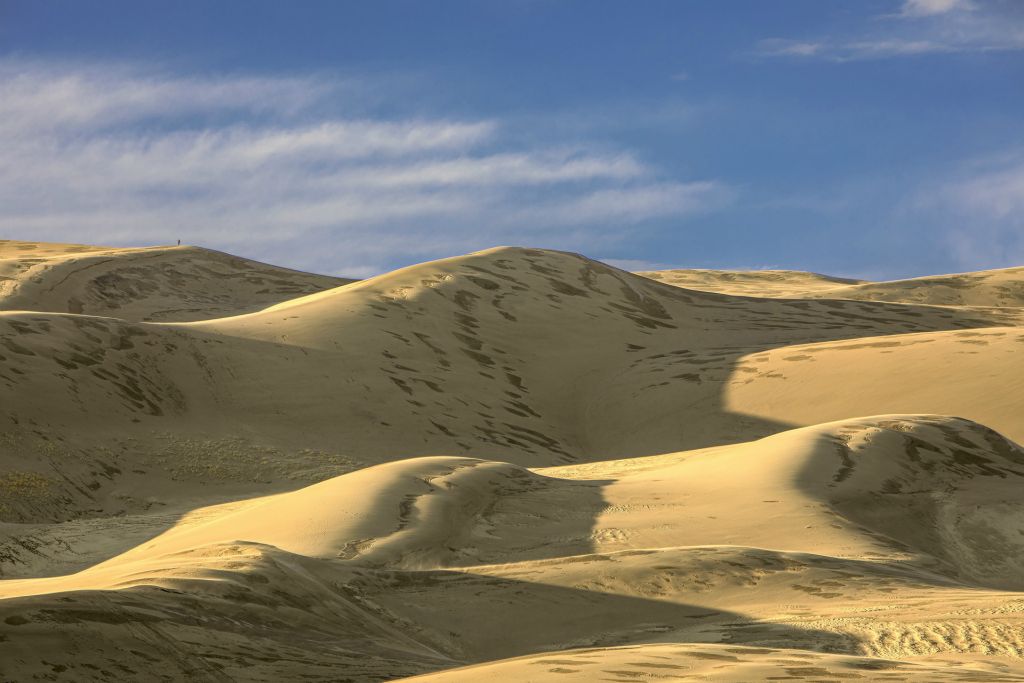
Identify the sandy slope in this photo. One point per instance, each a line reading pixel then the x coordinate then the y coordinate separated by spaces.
pixel 773 283
pixel 965 373
pixel 1001 287
pixel 428 563
pixel 684 661
pixel 512 454
pixel 153 283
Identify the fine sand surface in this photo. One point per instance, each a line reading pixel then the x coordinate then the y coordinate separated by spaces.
pixel 514 465
pixel 164 284
pixel 1001 287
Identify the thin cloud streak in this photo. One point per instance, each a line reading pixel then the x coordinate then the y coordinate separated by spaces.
pixel 48 97
pixel 998 193
pixel 977 210
pixel 917 27
pixel 929 8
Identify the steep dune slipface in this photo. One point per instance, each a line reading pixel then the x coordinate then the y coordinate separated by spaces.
pixel 943 487
pixel 148 284
pixel 514 453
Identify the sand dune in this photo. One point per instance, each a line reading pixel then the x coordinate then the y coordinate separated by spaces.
pixel 702 662
pixel 1001 287
pixel 525 356
pixel 153 283
pixel 519 461
pixel 973 374
pixel 771 283
pixel 459 561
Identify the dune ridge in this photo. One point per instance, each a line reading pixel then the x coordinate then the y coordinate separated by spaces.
pixel 520 461
pixel 997 287
pixel 166 284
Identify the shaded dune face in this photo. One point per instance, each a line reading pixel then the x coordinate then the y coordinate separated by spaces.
pixel 521 461
pixel 946 488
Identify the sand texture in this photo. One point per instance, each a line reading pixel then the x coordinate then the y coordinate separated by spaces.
pixel 513 465
pixel 1002 287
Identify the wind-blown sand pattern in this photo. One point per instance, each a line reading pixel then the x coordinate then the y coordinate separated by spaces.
pixel 514 465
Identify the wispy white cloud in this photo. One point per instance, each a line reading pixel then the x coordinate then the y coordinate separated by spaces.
pixel 916 27
pixel 977 211
pixel 997 192
pixel 615 205
pixel 42 96
pixel 535 168
pixel 928 8
pixel 267 166
pixel 780 47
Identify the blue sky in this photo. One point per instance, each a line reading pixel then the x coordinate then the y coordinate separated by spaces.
pixel 869 138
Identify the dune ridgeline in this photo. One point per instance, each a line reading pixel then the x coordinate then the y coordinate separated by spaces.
pixel 514 465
